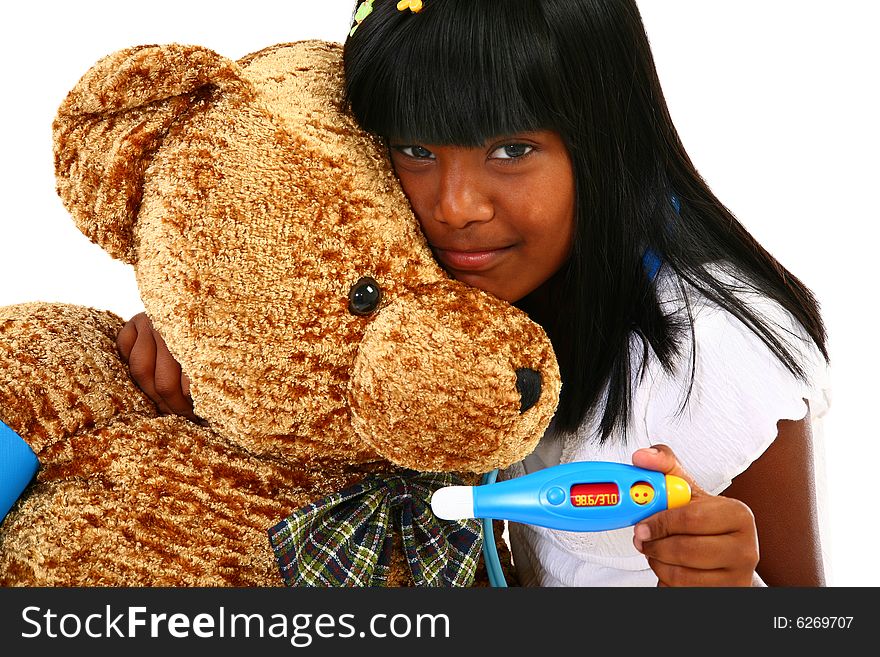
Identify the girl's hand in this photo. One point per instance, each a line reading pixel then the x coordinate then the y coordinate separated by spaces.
pixel 153 367
pixel 711 541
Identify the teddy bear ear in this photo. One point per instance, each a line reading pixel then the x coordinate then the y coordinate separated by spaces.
pixel 113 121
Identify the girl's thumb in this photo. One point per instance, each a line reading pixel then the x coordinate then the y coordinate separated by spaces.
pixel 660 457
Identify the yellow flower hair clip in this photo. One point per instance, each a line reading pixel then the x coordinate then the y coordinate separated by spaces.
pixel 366 8
pixel 415 6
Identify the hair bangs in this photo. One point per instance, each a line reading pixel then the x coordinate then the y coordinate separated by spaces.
pixel 474 71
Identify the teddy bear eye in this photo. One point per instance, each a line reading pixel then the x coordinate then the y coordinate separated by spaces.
pixel 364 296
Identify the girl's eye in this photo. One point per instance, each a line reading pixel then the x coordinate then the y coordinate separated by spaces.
pixel 511 151
pixel 415 152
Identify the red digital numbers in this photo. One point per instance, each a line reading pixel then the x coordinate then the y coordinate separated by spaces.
pixel 602 494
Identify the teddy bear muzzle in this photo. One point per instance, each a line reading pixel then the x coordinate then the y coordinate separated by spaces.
pixel 467 386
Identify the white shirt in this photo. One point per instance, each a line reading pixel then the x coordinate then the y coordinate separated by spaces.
pixel 740 391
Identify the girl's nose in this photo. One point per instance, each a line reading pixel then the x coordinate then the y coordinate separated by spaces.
pixel 460 199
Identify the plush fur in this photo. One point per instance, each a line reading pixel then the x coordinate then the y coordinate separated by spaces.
pixel 249 204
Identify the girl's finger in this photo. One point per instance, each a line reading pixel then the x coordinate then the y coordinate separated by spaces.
pixel 126 339
pixel 142 367
pixel 661 458
pixel 702 552
pixel 672 575
pixel 709 515
pixel 168 380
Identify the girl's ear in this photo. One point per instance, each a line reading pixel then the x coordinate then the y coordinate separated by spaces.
pixel 111 124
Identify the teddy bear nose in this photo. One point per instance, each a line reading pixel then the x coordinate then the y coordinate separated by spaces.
pixel 528 383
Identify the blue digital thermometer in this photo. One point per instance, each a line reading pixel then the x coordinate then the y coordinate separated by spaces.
pixel 587 496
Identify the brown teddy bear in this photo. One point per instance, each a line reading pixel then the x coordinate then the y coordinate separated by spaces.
pixel 341 376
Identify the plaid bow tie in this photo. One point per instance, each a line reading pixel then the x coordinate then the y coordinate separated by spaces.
pixel 345 539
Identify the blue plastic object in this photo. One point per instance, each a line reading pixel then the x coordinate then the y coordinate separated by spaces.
pixel 18 465
pixel 580 497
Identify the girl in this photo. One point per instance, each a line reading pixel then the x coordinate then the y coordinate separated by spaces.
pixel 534 144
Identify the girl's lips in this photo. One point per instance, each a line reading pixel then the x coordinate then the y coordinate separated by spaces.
pixel 470 260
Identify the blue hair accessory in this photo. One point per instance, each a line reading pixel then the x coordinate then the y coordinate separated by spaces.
pixel 650 260
pixel 651 263
pixel 18 465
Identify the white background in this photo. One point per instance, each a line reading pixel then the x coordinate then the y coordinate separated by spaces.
pixel 776 101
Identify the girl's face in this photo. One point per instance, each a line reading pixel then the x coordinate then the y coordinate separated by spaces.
pixel 500 216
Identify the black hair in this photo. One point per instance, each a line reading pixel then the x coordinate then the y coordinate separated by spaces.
pixel 466 71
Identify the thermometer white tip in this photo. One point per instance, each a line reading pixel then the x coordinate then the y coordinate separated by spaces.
pixel 453 502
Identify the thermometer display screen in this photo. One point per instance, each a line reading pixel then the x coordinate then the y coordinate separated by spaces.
pixel 598 494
